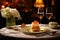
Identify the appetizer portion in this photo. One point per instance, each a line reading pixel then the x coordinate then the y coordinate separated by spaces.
pixel 35 26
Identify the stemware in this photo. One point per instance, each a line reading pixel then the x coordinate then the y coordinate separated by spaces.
pixel 49 15
pixel 41 16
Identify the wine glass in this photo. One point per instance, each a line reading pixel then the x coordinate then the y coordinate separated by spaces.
pixel 41 16
pixel 49 16
pixel 49 13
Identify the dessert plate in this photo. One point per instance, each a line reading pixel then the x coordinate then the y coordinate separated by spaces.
pixel 29 32
pixel 41 32
pixel 33 32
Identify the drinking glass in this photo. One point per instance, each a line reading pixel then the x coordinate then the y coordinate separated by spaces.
pixel 49 16
pixel 41 16
pixel 49 13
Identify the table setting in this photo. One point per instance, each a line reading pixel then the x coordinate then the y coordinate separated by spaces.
pixel 35 30
pixel 26 31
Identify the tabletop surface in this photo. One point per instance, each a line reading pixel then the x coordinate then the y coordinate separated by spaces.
pixel 12 33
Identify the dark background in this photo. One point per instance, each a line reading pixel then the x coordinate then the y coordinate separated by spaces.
pixel 31 13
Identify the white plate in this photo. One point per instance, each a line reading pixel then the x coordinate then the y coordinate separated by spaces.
pixel 33 32
pixel 41 32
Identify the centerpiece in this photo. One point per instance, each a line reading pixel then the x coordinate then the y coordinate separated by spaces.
pixel 10 14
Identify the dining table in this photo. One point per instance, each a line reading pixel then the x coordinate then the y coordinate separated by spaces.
pixel 10 34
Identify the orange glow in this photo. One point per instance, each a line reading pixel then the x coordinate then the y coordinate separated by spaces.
pixel 39 3
pixel 3 6
pixel 16 1
pixel 6 3
pixel 52 2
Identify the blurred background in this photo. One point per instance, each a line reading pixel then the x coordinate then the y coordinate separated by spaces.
pixel 30 10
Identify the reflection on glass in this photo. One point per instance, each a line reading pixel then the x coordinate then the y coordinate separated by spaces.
pixel 49 15
pixel 41 16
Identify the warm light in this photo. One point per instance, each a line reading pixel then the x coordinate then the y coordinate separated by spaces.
pixel 6 3
pixel 52 2
pixel 3 6
pixel 39 3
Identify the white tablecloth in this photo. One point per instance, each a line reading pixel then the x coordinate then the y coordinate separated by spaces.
pixel 12 33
